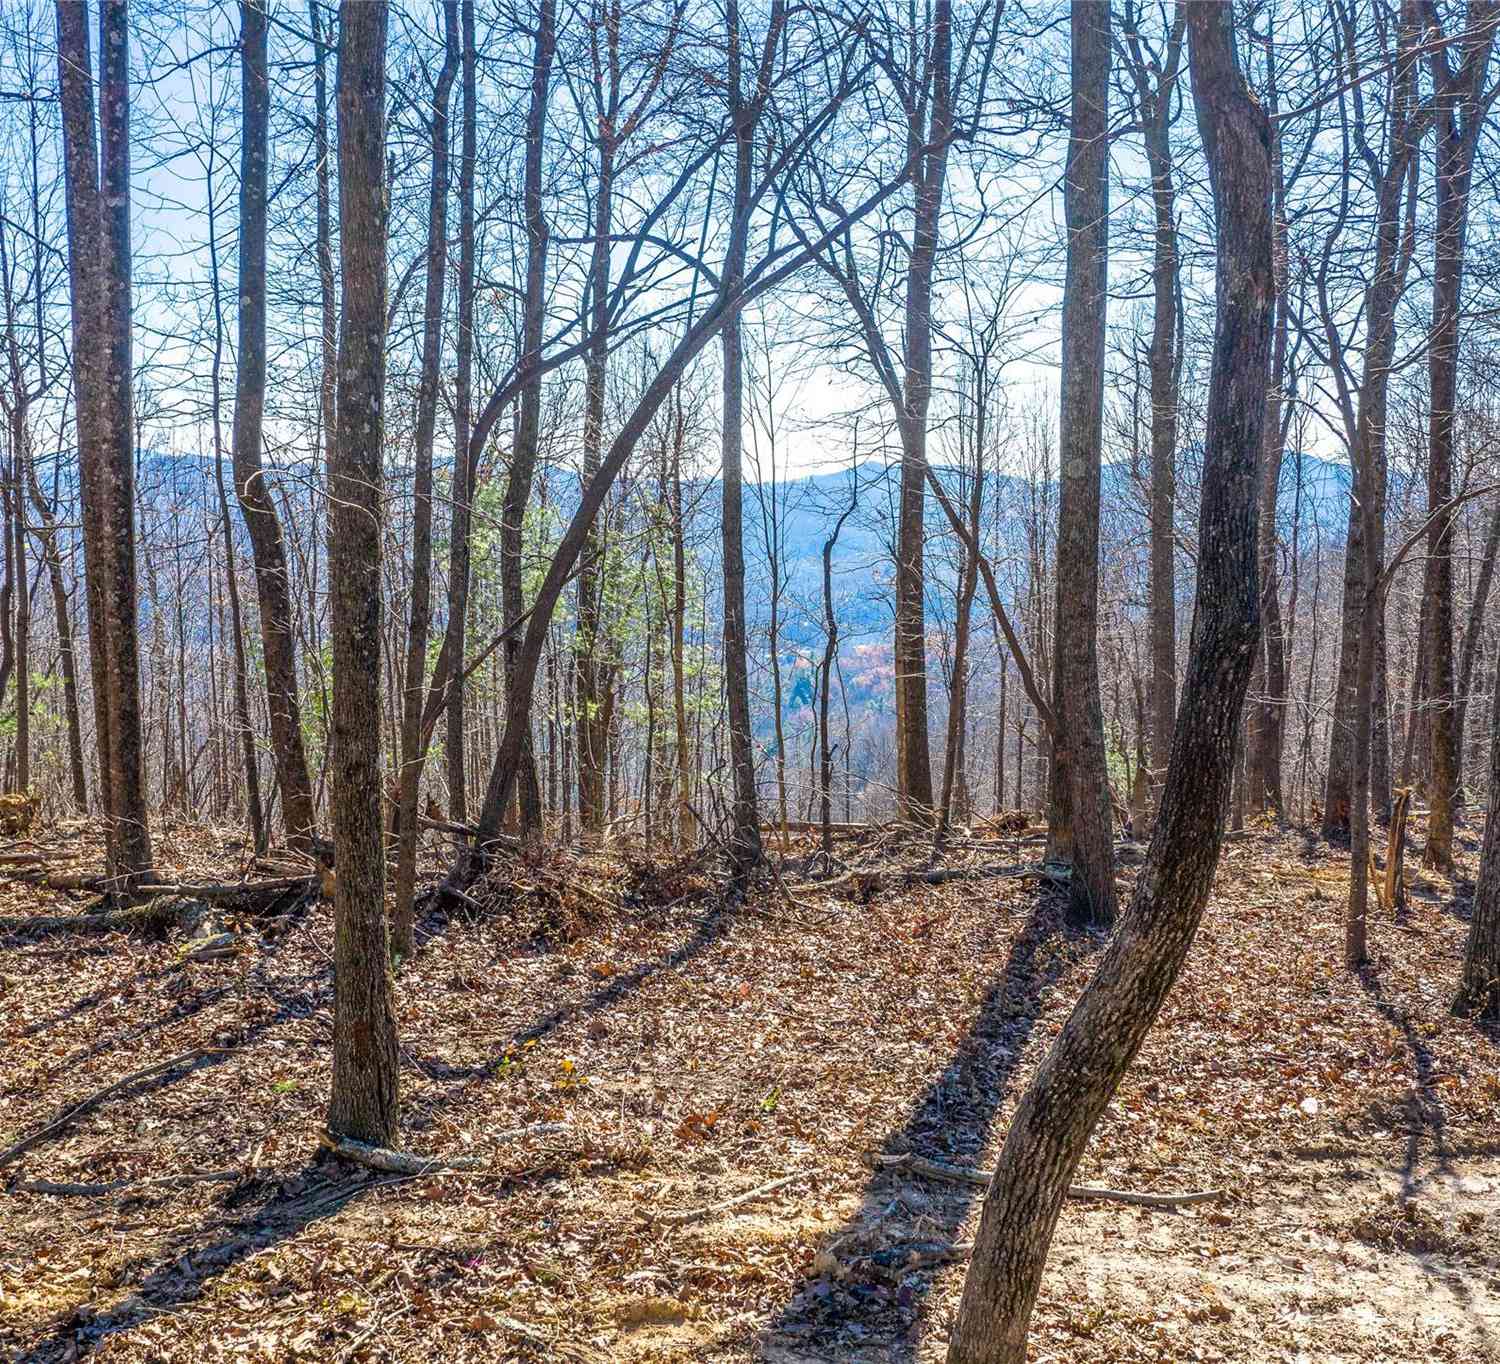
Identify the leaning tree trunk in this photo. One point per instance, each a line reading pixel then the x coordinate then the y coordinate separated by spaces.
pixel 363 1104
pixel 267 546
pixel 1097 1044
pixel 1081 819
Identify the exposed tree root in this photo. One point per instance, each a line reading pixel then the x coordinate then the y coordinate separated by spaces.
pixel 409 1163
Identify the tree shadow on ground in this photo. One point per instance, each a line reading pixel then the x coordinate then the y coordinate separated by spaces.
pixel 712 926
pixel 849 1304
pixel 1420 1115
pixel 192 1260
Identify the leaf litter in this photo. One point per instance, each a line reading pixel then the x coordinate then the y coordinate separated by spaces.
pixel 710 1088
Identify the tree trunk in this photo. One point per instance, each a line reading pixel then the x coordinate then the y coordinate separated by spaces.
pixel 1081 823
pixel 65 644
pixel 1156 85
pixel 1474 635
pixel 929 146
pixel 99 261
pixel 958 692
pixel 465 466
pixel 1100 1039
pixel 267 547
pixel 1479 983
pixel 744 836
pixel 686 832
pixel 528 430
pixel 1463 104
pixel 1270 720
pixel 363 1104
pixel 258 830
pixel 419 623
pixel 1369 475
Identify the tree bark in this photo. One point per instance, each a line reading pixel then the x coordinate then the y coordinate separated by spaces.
pixel 1156 84
pixel 528 429
pixel 1474 635
pixel 1100 1039
pixel 1081 822
pixel 1370 471
pixel 267 547
pixel 99 261
pixel 1479 983
pixel 254 808
pixel 465 468
pixel 744 836
pixel 928 146
pixel 1463 104
pixel 363 1104
pixel 1268 732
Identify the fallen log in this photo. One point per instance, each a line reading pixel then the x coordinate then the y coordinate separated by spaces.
pixel 980 1179
pixel 155 915
pixel 868 880
pixel 236 891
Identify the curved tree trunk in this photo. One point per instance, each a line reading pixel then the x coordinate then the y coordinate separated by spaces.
pixel 1097 1044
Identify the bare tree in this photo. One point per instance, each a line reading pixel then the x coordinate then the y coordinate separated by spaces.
pixel 1051 1126
pixel 1080 819
pixel 99 273
pixel 1155 77
pixel 1479 983
pixel 278 637
pixel 364 1099
pixel 1463 104
pixel 419 622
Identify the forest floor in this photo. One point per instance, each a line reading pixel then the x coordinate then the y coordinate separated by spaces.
pixel 681 1055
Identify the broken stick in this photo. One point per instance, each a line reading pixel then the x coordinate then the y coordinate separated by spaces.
pixel 679 1219
pixel 968 1174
